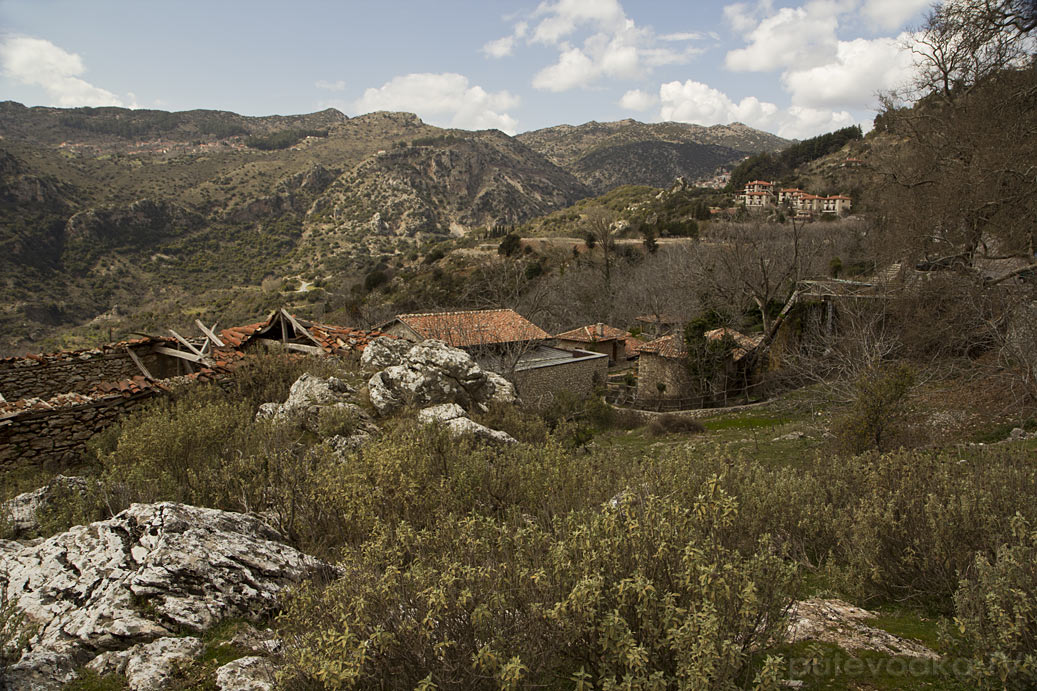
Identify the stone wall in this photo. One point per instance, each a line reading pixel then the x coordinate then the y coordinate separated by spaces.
pixel 58 434
pixel 537 385
pixel 44 376
pixel 653 369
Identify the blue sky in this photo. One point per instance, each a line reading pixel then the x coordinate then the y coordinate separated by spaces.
pixel 793 68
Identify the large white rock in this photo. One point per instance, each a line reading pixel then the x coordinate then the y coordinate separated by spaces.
pixel 308 392
pixel 384 352
pixel 433 372
pixel 149 666
pixel 21 511
pixel 252 673
pixel 455 419
pixel 148 573
pixel 843 624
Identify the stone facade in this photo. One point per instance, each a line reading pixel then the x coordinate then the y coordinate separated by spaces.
pixel 43 376
pixel 538 384
pixel 59 434
pixel 654 369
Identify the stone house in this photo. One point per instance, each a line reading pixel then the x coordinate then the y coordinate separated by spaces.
pixel 663 373
pixel 598 338
pixel 505 342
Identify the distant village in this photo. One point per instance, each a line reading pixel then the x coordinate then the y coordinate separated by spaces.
pixel 760 195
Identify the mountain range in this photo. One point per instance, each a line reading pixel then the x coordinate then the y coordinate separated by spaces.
pixel 109 206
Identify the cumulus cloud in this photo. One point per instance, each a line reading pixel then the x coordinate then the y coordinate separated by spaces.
pixel 794 36
pixel 340 85
pixel 860 70
pixel 445 98
pixel 39 62
pixel 891 14
pixel 596 40
pixel 635 99
pixel 743 16
pixel 500 47
pixel 559 19
pixel 699 103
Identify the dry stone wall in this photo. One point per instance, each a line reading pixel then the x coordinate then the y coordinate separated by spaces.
pixel 59 434
pixel 43 376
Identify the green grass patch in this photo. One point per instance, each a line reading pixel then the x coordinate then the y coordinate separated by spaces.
pixel 825 666
pixel 89 680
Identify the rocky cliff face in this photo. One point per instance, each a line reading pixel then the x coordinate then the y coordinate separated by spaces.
pixel 481 179
pixel 604 155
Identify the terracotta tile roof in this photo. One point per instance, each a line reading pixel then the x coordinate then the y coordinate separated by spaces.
pixel 237 336
pixel 341 338
pixel 671 346
pixel 760 182
pixel 474 327
pixel 333 339
pixel 590 334
pixel 744 343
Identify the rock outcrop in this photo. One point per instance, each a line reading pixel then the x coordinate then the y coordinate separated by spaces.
pixel 454 418
pixel 842 624
pixel 97 591
pixel 149 666
pixel 319 405
pixel 22 512
pixel 432 372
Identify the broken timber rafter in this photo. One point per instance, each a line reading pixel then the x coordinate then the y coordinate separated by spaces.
pixel 138 363
pixel 300 328
pixel 187 344
pixel 210 333
pixel 190 357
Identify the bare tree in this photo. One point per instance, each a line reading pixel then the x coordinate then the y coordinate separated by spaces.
pixel 600 227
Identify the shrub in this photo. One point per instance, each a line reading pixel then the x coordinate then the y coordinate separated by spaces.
pixel 641 593
pixel 674 424
pixel 996 612
pixel 879 396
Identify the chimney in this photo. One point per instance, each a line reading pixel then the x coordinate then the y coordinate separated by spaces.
pixel 601 329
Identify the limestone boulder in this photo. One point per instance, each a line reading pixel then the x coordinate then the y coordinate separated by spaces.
pixel 384 352
pixel 845 625
pixel 433 372
pixel 253 673
pixel 149 666
pixel 149 573
pixel 313 401
pixel 454 418
pixel 22 512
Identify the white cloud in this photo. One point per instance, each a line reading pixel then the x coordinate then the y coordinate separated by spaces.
pixel 861 69
pixel 635 99
pixel 39 62
pixel 563 17
pixel 573 69
pixel 891 14
pixel 500 47
pixel 794 36
pixel 683 36
pixel 742 16
pixel 699 103
pixel 445 98
pixel 596 40
pixel 340 85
